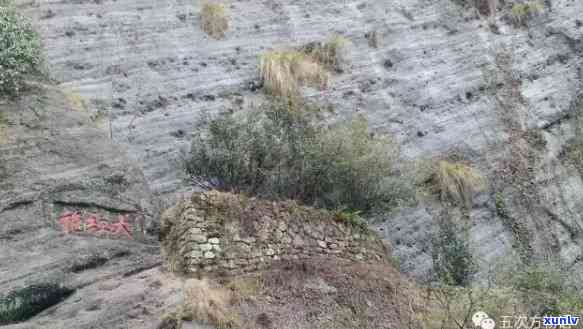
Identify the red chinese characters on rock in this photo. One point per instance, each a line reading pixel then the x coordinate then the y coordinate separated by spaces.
pixel 71 222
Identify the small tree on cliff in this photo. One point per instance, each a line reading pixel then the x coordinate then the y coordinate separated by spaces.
pixel 20 51
pixel 280 152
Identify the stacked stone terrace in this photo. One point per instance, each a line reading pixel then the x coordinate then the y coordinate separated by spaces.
pixel 221 232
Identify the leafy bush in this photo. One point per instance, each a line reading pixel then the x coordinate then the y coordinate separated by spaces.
pixel 521 12
pixel 283 72
pixel 457 182
pixel 353 219
pixel 20 51
pixel 452 259
pixel 21 305
pixel 280 153
pixel 545 289
pixel 214 19
pixel 535 290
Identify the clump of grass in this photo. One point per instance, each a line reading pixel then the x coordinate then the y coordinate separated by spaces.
pixel 332 53
pixel 283 72
pixel 352 218
pixel 76 101
pixel 244 288
pixel 209 304
pixel 3 129
pixel 214 19
pixel 521 12
pixel 458 182
pixel 281 153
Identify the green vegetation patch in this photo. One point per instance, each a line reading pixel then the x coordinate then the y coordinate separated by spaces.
pixel 452 258
pixel 21 305
pixel 279 152
pixel 521 12
pixel 20 52
pixel 536 290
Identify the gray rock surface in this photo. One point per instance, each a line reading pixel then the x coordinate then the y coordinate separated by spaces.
pixel 437 77
pixel 53 157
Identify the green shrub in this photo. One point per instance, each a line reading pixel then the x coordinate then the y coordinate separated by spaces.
pixel 520 290
pixel 545 289
pixel 452 259
pixel 352 218
pixel 20 52
pixel 21 305
pixel 281 153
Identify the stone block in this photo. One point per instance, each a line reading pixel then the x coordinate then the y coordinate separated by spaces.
pixel 206 247
pixel 198 238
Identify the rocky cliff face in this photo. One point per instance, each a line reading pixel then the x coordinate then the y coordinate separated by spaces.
pixel 435 75
pixel 54 158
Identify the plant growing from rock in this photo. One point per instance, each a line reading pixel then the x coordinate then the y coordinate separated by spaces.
pixel 573 152
pixel 283 72
pixel 76 101
pixel 20 52
pixel 452 259
pixel 281 153
pixel 521 12
pixel 208 303
pixel 20 305
pixel 457 182
pixel 214 19
pixel 333 53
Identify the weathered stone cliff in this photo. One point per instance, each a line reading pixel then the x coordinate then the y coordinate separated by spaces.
pixel 53 158
pixel 434 74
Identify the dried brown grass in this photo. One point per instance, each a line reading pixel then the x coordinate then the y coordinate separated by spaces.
pixel 209 303
pixel 458 182
pixel 214 19
pixel 284 71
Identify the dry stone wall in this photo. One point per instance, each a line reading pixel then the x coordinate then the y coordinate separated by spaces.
pixel 221 232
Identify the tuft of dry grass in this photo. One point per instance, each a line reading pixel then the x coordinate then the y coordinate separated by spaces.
pixel 284 71
pixel 521 12
pixel 458 182
pixel 332 53
pixel 3 129
pixel 209 304
pixel 244 288
pixel 214 19
pixel 76 101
